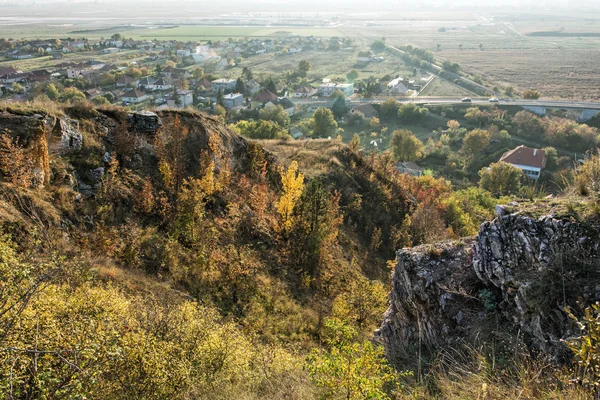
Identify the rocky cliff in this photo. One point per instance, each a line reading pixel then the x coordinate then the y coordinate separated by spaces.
pixel 519 272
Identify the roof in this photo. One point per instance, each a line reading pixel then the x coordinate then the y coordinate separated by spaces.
pixel 184 92
pixel 365 54
pixel 305 89
pixel 7 70
pixel 233 96
pixel 134 93
pixel 265 96
pixel 284 102
pixel 365 109
pixel 525 156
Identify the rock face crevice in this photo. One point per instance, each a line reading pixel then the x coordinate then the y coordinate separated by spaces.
pixel 522 271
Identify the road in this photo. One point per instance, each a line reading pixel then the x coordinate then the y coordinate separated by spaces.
pixel 563 104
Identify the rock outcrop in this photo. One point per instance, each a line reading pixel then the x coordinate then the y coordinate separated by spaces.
pixel 519 270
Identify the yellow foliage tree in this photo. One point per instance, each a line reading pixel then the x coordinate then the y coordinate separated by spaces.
pixel 293 184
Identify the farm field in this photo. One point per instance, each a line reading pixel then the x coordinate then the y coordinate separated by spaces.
pixel 564 73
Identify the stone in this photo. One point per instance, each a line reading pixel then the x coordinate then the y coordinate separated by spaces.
pixel 144 121
pixel 501 210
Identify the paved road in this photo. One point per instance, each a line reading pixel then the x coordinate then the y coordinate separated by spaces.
pixel 566 104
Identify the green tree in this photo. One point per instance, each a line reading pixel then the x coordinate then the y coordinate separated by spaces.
pixel 109 96
pixel 261 130
pixel 410 112
pixel 389 109
pixel 72 94
pixel 475 141
pixel 304 67
pixel 52 92
pixel 551 158
pixel 324 124
pixel 350 368
pixel 247 73
pixel 239 86
pixel 378 45
pixel 510 91
pixel 100 101
pixel 451 66
pixel 406 146
pixel 362 304
pixel 198 73
pixel 220 98
pixel 352 75
pixel 501 179
pixel 339 107
pixel 276 114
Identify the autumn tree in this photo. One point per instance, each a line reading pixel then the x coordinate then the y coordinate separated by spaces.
pixel 531 94
pixel 355 143
pixel 406 146
pixel 362 304
pixel 16 165
pixel 172 154
pixel 475 141
pixel 293 184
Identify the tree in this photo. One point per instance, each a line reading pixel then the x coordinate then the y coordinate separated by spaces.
pixel 276 114
pixel 72 94
pixel 303 67
pixel 501 179
pixel 389 109
pixel 352 75
pixel 453 125
pixel 406 146
pixel 378 45
pixel 220 98
pixel 239 86
pixel 293 184
pixel 355 143
pixel 410 112
pixel 475 141
pixel 198 73
pixel 52 92
pixel 350 368
pixel 551 158
pixel 100 101
pixel 324 124
pixel 16 87
pixel 509 91
pixel 451 67
pixel 247 73
pixel 109 96
pixel 531 94
pixel 270 86
pixel 362 304
pixel 339 107
pixel 261 130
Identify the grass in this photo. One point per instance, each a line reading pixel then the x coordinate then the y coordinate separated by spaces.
pixel 440 87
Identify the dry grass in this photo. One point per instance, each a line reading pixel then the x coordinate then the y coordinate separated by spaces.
pixel 314 157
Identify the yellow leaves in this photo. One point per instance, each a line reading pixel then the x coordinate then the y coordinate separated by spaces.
pixel 293 184
pixel 166 174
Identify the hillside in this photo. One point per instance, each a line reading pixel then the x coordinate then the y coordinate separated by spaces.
pixel 160 255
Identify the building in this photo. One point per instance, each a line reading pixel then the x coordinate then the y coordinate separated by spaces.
pixel 186 97
pixel 305 91
pixel 110 50
pixel 364 57
pixel 326 89
pixel 398 86
pixel 365 110
pixel 134 96
pixel 233 100
pixel 530 161
pixel 408 167
pixel 125 80
pixel 226 85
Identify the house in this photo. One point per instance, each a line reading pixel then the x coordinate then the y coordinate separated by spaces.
pixel 530 161
pixel 110 50
pixel 233 100
pixel 305 91
pixel 57 55
pixel 365 110
pixel 134 96
pixel 295 132
pixel 364 57
pixel 204 84
pixel 91 93
pixel 76 71
pixel 21 56
pixel 186 97
pixel 264 96
pixel 398 86
pixel 145 83
pixel 284 102
pixel 161 84
pixel 252 87
pixel 7 70
pixel 408 167
pixel 21 77
pixel 225 85
pixel 326 89
pixel 125 80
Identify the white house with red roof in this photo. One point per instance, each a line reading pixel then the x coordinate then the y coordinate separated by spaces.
pixel 530 161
